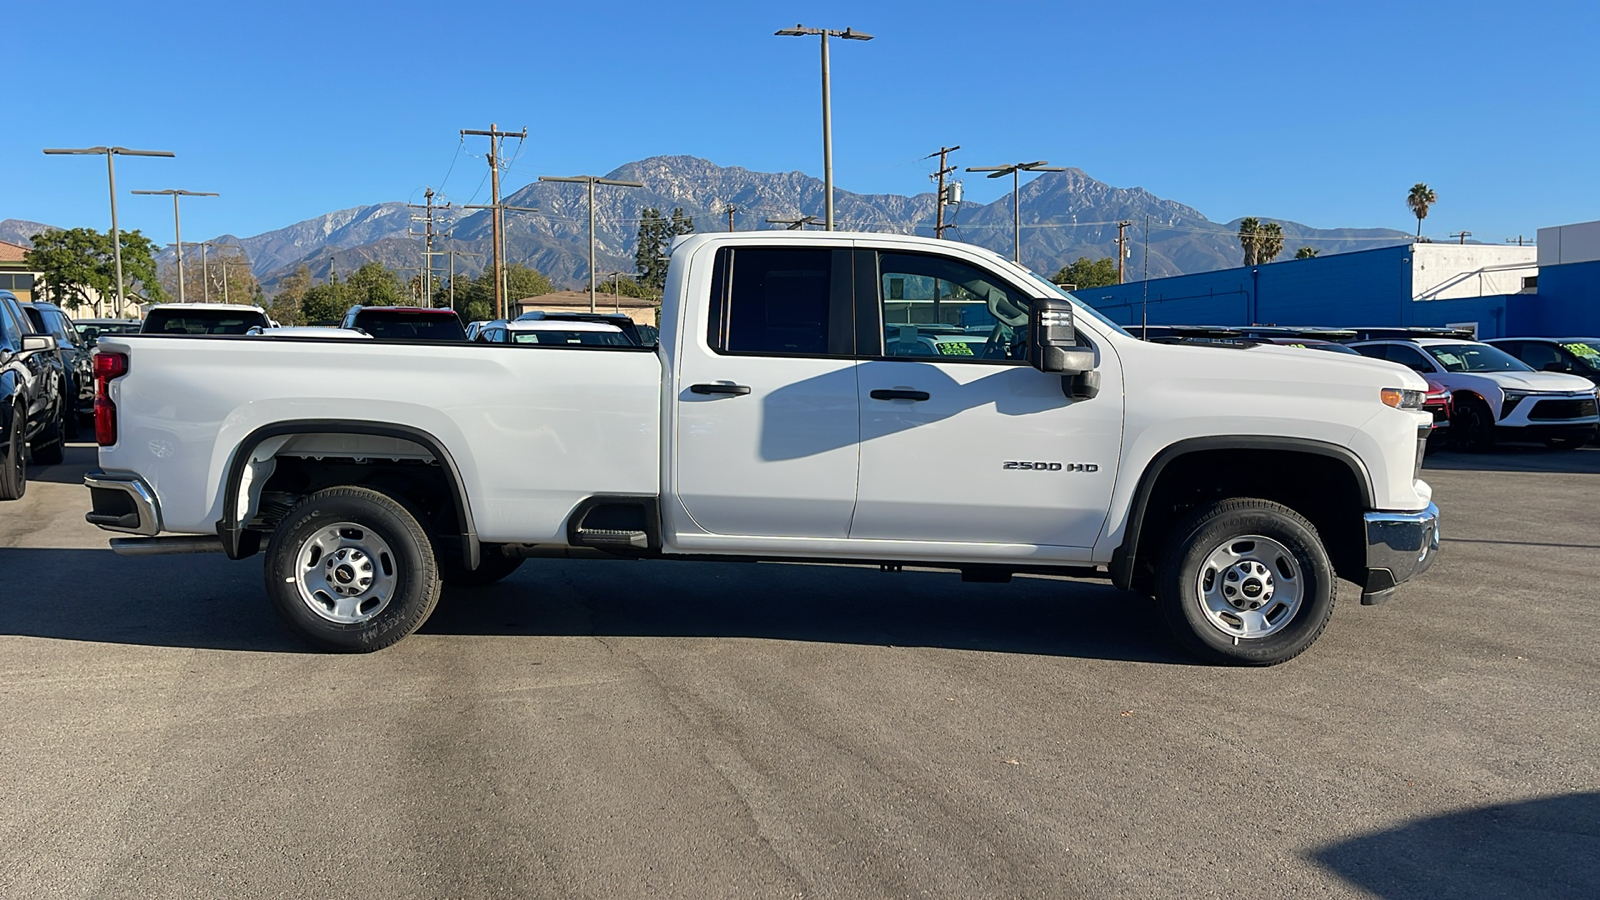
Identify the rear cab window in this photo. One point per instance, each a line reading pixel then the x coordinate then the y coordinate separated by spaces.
pixel 202 321
pixel 407 325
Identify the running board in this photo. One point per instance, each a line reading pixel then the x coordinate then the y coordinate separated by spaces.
pixel 166 544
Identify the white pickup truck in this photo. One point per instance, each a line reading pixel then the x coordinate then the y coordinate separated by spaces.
pixel 850 398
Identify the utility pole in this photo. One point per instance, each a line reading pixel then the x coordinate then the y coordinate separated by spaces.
pixel 494 134
pixel 941 199
pixel 1463 235
pixel 591 181
pixel 827 102
pixel 1122 248
pixel 205 274
pixel 111 153
pixel 795 224
pixel 177 225
pixel 1015 170
pixel 427 235
pixel 502 286
pixel 730 211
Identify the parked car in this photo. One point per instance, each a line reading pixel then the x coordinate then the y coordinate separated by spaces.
pixel 770 423
pixel 77 362
pixel 203 318
pixel 626 324
pixel 31 398
pixel 554 332
pixel 405 323
pixel 1573 356
pixel 475 327
pixel 89 330
pixel 1495 395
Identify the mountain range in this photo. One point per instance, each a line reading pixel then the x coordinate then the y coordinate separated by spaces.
pixel 1065 215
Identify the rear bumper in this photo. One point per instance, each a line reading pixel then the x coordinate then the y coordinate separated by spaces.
pixel 122 503
pixel 1400 546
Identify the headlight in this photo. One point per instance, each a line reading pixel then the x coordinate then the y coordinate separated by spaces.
pixel 1402 398
pixel 1511 401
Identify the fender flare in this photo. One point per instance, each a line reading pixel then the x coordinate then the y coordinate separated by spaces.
pixel 238 543
pixel 1124 557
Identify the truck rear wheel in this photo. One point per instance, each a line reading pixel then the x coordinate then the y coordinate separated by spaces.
pixel 1246 582
pixel 350 569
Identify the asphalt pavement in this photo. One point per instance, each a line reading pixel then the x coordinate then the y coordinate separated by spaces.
pixel 653 729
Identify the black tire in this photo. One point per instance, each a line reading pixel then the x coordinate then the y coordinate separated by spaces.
pixel 402 578
pixel 49 448
pixel 493 565
pixel 1472 425
pixel 14 462
pixel 1205 625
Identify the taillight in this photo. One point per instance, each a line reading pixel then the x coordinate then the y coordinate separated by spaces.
pixel 106 367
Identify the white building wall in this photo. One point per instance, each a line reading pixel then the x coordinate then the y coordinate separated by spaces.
pixel 1450 271
pixel 1563 244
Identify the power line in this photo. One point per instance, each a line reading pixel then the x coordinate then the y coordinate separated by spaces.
pixel 494 134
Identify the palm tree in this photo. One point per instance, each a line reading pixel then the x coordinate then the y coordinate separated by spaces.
pixel 1249 229
pixel 1420 198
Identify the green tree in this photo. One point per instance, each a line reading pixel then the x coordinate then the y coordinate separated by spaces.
pixel 374 284
pixel 655 239
pixel 325 303
pixel 475 296
pixel 1306 253
pixel 287 303
pixel 1419 199
pixel 1262 241
pixel 1086 273
pixel 79 267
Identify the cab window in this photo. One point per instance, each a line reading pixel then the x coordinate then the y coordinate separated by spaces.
pixel 934 307
pixel 790 301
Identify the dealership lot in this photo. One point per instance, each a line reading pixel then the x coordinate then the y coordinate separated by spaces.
pixel 691 730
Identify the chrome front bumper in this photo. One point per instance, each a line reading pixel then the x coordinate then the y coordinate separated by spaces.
pixel 1399 546
pixel 122 503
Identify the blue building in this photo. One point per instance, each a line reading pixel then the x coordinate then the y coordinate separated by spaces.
pixel 1553 290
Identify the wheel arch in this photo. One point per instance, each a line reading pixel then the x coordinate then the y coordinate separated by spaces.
pixel 239 542
pixel 1176 459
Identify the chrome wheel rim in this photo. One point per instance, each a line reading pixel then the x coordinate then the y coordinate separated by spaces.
pixel 1250 587
pixel 346 573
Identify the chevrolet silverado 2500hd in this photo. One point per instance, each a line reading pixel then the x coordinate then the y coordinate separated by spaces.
pixel 1010 430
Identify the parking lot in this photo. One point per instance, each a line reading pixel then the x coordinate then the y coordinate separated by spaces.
pixel 593 729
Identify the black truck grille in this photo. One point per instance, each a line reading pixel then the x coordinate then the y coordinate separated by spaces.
pixel 1563 409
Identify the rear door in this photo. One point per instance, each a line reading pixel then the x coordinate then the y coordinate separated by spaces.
pixel 767 418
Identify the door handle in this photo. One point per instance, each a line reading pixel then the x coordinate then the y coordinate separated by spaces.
pixel 737 389
pixel 882 394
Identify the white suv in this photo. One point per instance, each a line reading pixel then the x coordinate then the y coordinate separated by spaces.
pixel 1497 395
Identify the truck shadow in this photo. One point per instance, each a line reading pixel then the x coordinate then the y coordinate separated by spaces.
pixel 1547 847
pixel 204 601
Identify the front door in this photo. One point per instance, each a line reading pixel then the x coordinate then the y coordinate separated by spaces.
pixel 767 419
pixel 961 439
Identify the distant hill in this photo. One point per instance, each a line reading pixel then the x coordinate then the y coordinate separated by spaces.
pixel 21 231
pixel 1064 216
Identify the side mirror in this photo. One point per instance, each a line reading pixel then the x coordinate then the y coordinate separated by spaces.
pixel 38 343
pixel 1054 349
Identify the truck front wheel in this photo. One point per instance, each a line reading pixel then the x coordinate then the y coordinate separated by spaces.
pixel 350 569
pixel 1246 582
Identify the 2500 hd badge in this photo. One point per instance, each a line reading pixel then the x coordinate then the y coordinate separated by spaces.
pixel 1052 466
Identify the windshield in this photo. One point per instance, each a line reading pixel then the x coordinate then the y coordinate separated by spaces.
pixel 397 325
pixel 1475 358
pixel 580 338
pixel 201 321
pixel 1587 352
pixel 1079 304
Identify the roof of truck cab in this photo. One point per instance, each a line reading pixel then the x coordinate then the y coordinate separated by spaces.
pixel 220 307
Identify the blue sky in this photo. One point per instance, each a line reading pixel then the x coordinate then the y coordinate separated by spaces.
pixel 1320 113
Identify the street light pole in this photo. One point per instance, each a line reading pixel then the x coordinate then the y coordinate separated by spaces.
pixel 111 176
pixel 591 181
pixel 177 224
pixel 827 104
pixel 1015 170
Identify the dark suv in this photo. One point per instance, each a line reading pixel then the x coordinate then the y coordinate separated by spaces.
pixel 31 380
pixel 405 323
pixel 77 360
pixel 1574 356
